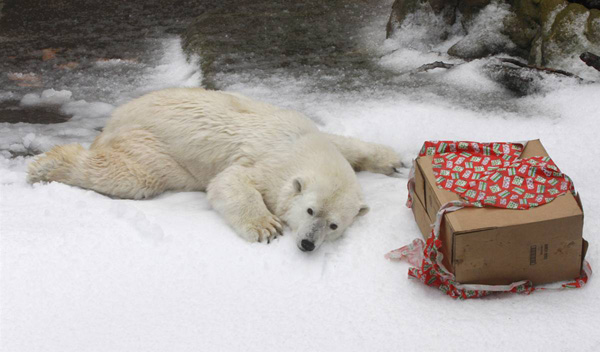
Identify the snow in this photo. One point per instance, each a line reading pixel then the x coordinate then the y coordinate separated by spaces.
pixel 48 97
pixel 83 272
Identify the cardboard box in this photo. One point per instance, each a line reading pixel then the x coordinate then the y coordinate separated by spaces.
pixel 500 246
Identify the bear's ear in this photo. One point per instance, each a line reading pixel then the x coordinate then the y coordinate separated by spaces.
pixel 298 185
pixel 363 210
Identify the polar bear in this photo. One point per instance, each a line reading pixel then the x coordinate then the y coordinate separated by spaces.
pixel 262 167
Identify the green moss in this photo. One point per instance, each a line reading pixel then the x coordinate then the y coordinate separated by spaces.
pixel 549 6
pixel 562 28
pixel 564 37
pixel 527 9
pixel 521 30
pixel 592 31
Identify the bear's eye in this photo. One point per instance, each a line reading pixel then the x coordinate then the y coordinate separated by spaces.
pixel 333 226
pixel 309 211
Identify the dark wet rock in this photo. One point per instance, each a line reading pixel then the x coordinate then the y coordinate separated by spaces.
pixel 516 79
pixel 470 8
pixel 445 9
pixel 522 31
pixel 523 79
pixel 12 112
pixel 258 36
pixel 590 4
pixel 401 9
pixel 478 45
pixel 591 60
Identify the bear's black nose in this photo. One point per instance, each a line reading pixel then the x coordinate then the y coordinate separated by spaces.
pixel 307 245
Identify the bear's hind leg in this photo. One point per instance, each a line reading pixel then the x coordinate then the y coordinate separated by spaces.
pixel 233 195
pixel 133 166
pixel 365 156
pixel 57 164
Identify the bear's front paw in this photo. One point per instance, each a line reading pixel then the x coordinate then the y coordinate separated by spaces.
pixel 264 228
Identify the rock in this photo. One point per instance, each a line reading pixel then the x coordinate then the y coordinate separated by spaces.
pixel 521 30
pixel 445 8
pixel 565 38
pixel 485 35
pixel 265 35
pixel 439 16
pixel 423 9
pixel 470 8
pixel 478 45
pixel 400 9
pixel 591 60
pixel 524 79
pixel 517 80
pixel 592 32
pixel 590 4
pixel 548 10
pixel 549 33
pixel 543 12
pixel 527 9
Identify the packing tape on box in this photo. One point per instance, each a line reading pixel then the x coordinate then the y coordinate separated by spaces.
pixel 495 176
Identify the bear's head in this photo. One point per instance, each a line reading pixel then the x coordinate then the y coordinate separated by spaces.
pixel 321 209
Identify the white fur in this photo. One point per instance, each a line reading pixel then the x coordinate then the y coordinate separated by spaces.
pixel 261 166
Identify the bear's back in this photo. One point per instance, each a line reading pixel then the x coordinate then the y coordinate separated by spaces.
pixel 215 127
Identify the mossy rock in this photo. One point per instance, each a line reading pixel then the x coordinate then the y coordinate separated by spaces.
pixel 528 9
pixel 562 27
pixel 592 31
pixel 545 32
pixel 521 30
pixel 565 36
pixel 547 8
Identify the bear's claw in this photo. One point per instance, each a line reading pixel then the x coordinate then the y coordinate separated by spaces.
pixel 399 170
pixel 267 228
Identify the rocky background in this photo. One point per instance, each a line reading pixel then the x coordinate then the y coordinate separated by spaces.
pixel 305 37
pixel 542 38
pixel 56 43
pixel 547 33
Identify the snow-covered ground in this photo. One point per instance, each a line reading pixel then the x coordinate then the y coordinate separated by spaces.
pixel 83 272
